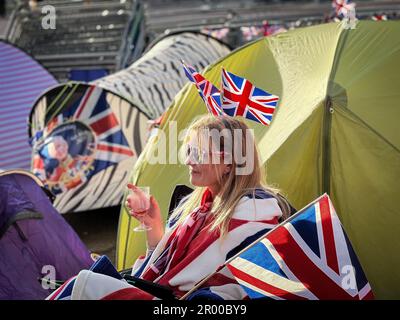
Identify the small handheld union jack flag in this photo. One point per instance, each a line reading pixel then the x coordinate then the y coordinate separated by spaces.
pixel 241 98
pixel 208 92
pixel 379 17
pixel 342 7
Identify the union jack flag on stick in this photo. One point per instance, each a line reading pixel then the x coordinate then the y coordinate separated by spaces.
pixel 379 17
pixel 342 7
pixel 241 98
pixel 208 92
pixel 307 257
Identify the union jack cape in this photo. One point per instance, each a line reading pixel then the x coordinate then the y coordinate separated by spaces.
pixel 189 252
pixel 308 257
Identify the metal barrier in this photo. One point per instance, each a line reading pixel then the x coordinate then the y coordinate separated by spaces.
pixel 99 34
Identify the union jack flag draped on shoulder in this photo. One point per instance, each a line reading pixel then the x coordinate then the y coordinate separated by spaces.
pixel 241 98
pixel 208 92
pixel 307 257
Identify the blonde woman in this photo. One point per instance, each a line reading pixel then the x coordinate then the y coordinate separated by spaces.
pixel 229 208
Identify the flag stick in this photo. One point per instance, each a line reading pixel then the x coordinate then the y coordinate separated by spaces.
pixel 199 284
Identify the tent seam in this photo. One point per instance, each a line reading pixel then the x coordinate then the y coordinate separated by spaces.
pixel 327 116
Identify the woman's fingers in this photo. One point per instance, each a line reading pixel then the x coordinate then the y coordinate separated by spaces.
pixel 139 217
pixel 131 186
pixel 154 202
pixel 132 213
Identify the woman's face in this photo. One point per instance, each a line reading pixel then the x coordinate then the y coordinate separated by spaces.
pixel 204 174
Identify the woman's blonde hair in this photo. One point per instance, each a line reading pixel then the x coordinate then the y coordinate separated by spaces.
pixel 233 186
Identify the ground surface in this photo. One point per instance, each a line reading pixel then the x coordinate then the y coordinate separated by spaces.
pixel 97 229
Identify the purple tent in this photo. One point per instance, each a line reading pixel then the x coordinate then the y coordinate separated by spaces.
pixel 22 80
pixel 34 238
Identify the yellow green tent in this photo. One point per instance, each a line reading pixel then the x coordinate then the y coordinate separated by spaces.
pixel 335 130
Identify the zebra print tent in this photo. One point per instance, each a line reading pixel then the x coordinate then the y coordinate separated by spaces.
pixel 87 137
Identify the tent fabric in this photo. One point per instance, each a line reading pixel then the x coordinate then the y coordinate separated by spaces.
pixel 18 91
pixel 104 135
pixel 87 75
pixel 127 100
pixel 152 81
pixel 335 130
pixel 35 239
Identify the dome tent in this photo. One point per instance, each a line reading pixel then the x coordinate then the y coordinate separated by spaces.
pixel 109 119
pixel 335 130
pixel 35 241
pixel 18 92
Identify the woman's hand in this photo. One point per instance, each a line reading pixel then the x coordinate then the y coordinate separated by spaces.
pixel 151 218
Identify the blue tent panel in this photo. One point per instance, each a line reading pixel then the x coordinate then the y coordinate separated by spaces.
pixel 87 75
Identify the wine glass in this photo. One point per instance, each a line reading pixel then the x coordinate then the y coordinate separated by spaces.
pixel 140 204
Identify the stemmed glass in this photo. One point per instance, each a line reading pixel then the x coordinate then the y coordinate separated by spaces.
pixel 140 204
